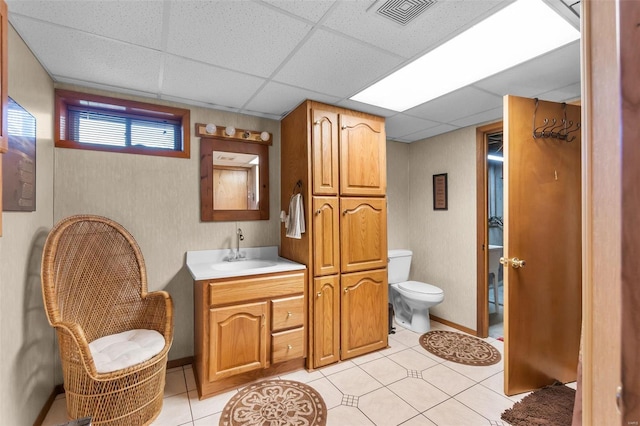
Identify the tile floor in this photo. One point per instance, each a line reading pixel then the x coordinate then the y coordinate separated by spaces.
pixel 401 385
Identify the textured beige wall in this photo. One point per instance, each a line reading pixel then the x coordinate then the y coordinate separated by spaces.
pixel 444 242
pixel 397 195
pixel 28 351
pixel 158 201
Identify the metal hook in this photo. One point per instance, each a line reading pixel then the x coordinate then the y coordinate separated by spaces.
pixel 546 134
pixel 572 131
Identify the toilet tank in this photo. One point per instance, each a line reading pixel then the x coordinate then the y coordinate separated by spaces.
pixel 399 265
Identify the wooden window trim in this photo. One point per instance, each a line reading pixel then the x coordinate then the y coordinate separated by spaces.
pixel 66 98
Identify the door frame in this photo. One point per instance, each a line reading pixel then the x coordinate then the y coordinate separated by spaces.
pixel 482 226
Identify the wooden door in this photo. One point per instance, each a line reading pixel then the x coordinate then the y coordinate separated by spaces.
pixel 542 227
pixel 326 244
pixel 326 320
pixel 364 312
pixel 362 156
pixel 324 146
pixel 363 234
pixel 238 340
pixel 230 188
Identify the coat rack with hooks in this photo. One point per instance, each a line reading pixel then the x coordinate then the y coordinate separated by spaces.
pixel 554 128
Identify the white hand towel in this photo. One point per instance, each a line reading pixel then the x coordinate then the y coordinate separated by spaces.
pixel 295 221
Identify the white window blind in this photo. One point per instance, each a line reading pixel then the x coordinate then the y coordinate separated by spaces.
pixel 97 127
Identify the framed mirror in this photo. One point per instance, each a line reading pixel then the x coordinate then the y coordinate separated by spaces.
pixel 234 180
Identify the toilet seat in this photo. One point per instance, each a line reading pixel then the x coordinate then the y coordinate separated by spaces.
pixel 420 287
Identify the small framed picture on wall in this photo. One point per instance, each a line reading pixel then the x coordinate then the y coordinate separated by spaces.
pixel 440 196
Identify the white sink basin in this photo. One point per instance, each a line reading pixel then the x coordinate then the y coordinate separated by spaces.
pixel 242 265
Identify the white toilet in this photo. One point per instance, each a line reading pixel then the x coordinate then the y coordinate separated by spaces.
pixel 411 299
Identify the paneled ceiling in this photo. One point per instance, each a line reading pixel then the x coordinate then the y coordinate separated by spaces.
pixel 264 57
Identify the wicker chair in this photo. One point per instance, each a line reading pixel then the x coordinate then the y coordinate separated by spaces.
pixel 94 284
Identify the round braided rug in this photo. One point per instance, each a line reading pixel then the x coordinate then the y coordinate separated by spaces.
pixel 460 348
pixel 275 403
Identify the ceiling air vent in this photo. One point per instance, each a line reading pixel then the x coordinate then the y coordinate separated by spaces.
pixel 404 11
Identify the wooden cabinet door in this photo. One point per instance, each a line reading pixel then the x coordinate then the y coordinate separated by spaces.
pixel 326 320
pixel 363 234
pixel 362 156
pixel 238 339
pixel 324 145
pixel 326 244
pixel 364 312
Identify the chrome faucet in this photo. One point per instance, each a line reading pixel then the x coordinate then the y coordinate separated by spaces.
pixel 237 255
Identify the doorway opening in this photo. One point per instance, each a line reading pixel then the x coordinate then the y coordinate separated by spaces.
pixel 495 236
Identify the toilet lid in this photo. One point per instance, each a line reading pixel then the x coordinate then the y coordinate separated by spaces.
pixel 419 287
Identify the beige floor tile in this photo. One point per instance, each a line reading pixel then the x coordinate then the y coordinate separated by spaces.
pixel 367 358
pixel 337 367
pixel 190 378
pixel 419 420
pixel 446 379
pixel 394 347
pixel 57 413
pixel 484 401
pixel 495 383
pixel 331 394
pixel 454 413
pixel 347 416
pixel 213 420
pixel 418 393
pixel 175 411
pixel 406 337
pixel 428 354
pixel 175 383
pixel 385 370
pixel 572 385
pixel 354 382
pixel 412 360
pixel 473 372
pixel 208 406
pixel 383 407
pixel 303 376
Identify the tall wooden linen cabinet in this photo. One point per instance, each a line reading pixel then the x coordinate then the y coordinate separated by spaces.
pixel 336 158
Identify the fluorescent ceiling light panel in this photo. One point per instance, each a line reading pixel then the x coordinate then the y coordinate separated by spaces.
pixel 519 32
pixel 494 157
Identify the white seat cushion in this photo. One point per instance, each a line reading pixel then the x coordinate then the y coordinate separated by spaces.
pixel 126 349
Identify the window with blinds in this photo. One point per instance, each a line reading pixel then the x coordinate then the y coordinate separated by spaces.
pixel 108 124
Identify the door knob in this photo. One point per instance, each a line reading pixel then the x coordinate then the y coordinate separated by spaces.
pixel 515 262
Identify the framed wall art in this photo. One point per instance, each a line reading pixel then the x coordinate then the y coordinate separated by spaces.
pixel 440 192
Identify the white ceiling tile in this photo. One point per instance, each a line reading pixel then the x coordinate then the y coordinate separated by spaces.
pixel 137 22
pixel 362 107
pixel 479 118
pixel 431 132
pixel 312 10
pixel 239 35
pixel 206 83
pixel 279 99
pixel 402 125
pixel 436 24
pixel 92 58
pixel 563 94
pixel 335 65
pixel 452 106
pixel 552 70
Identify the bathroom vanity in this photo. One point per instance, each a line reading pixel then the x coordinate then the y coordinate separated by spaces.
pixel 249 317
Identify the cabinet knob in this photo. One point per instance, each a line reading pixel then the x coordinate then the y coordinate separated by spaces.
pixel 315 123
pixel 345 127
pixel 288 314
pixel 318 212
pixel 346 290
pixel 318 294
pixel 289 347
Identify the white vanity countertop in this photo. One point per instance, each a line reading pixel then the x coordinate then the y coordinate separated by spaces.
pixel 212 264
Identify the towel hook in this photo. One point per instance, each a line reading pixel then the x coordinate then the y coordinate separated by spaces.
pixel 297 187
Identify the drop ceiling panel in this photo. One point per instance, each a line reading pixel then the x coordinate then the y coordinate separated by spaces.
pixel 559 68
pixel 92 58
pixel 562 94
pixel 370 109
pixel 435 24
pixel 335 65
pixel 137 22
pixel 487 116
pixel 206 83
pixel 459 104
pixel 238 35
pixel 279 99
pixel 402 125
pixel 310 10
pixel 430 132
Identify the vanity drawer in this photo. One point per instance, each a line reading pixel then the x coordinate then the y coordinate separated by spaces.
pixel 287 345
pixel 242 289
pixel 287 313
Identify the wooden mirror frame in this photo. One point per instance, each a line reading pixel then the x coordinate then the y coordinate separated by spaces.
pixel 207 213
